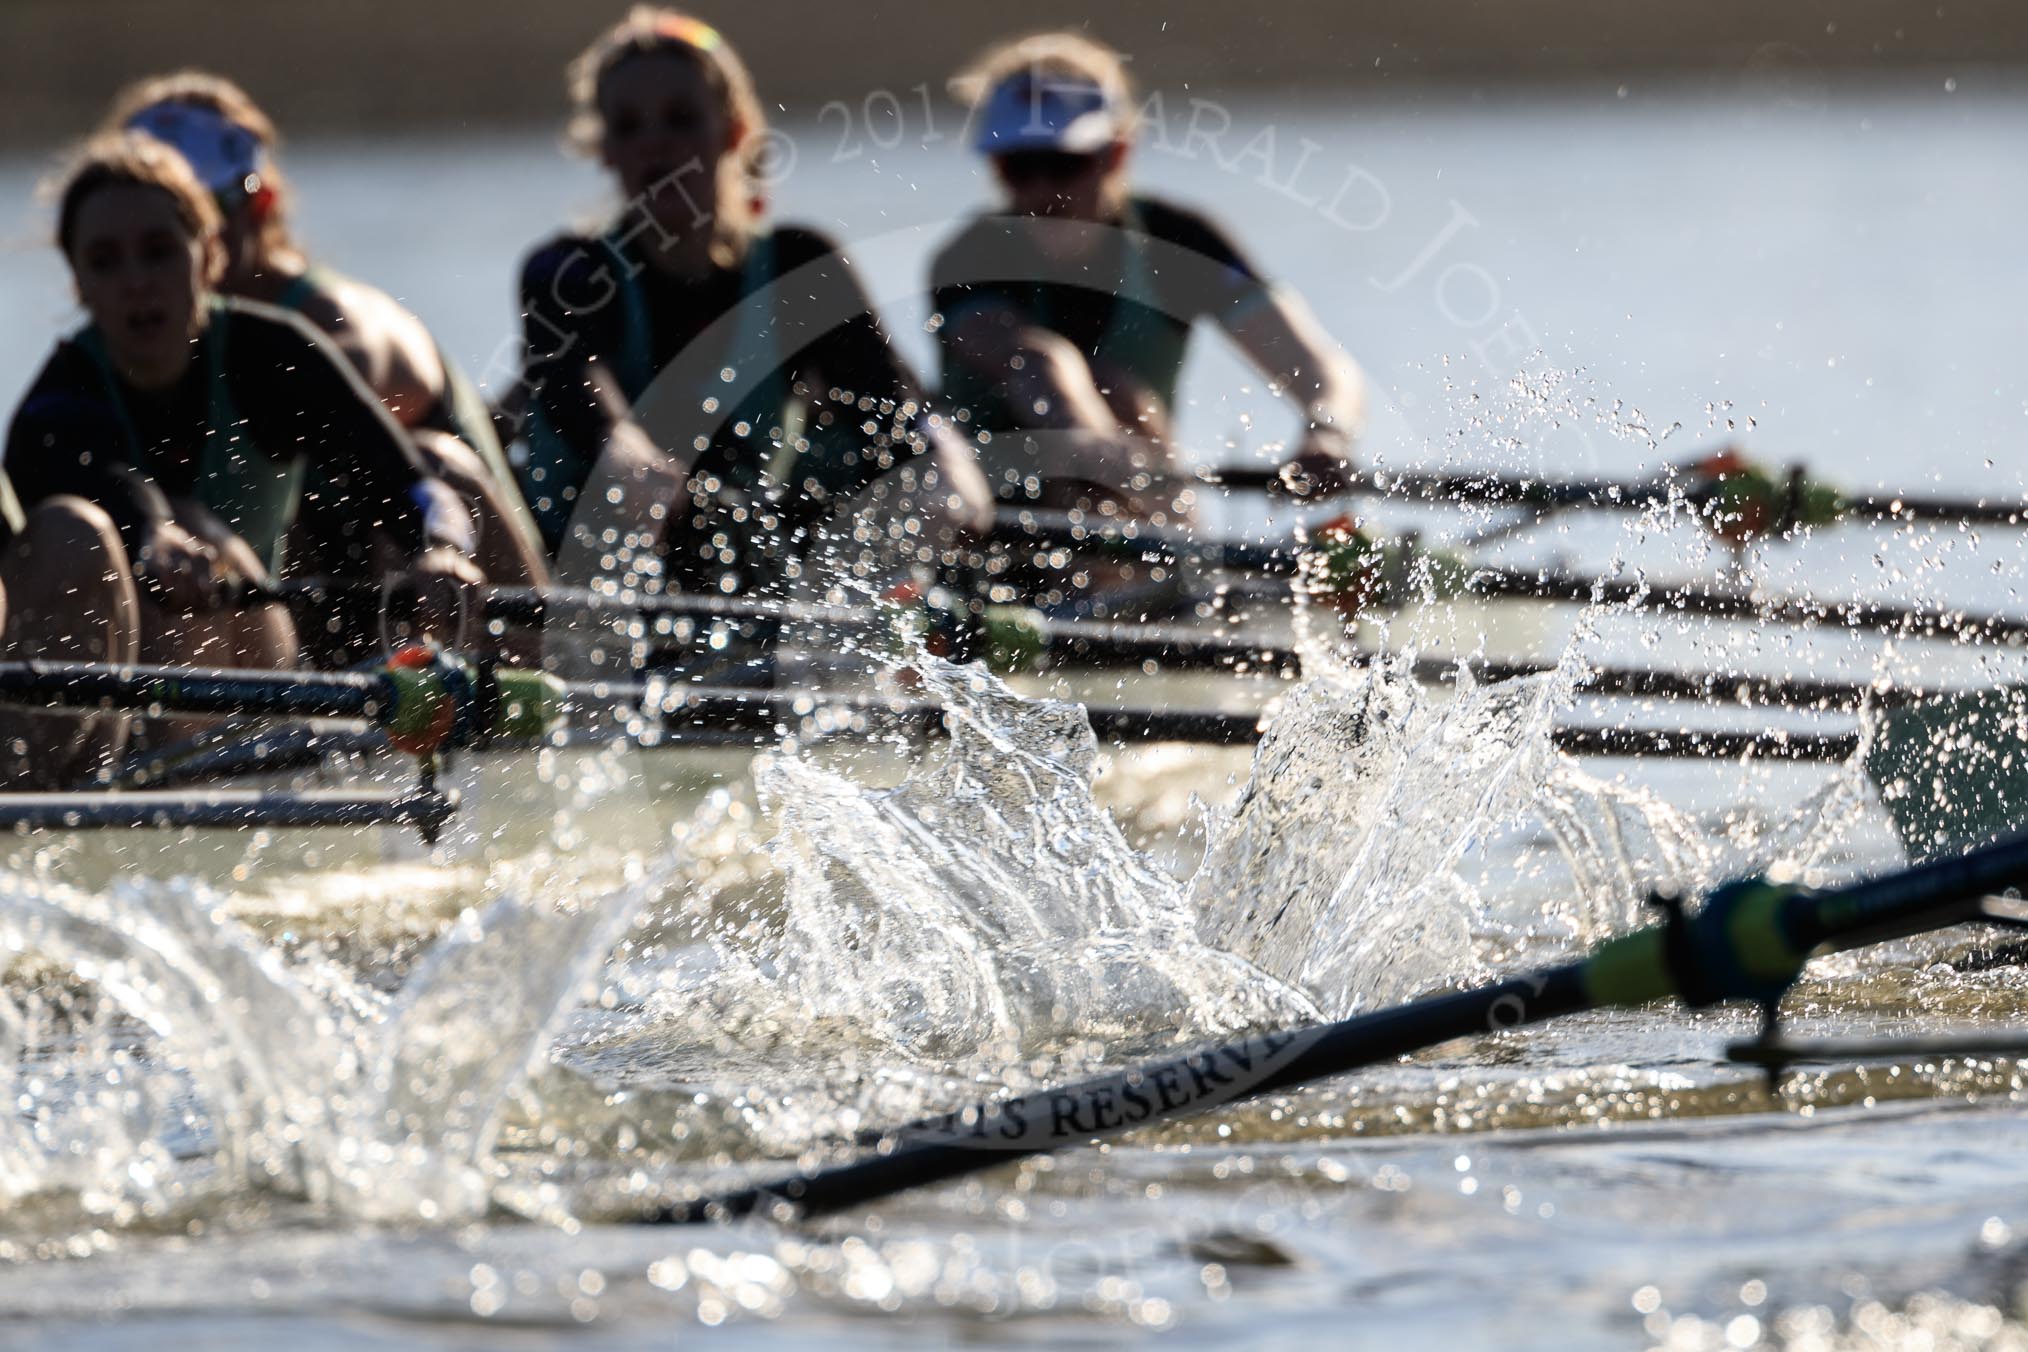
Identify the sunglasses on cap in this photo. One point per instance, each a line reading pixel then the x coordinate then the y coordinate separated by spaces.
pixel 1054 166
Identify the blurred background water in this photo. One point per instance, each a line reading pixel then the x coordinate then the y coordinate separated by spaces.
pixel 1836 264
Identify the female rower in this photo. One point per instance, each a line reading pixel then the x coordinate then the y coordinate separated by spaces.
pixel 1064 316
pixel 230 143
pixel 159 457
pixel 700 383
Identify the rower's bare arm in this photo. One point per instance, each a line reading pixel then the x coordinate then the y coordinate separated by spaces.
pixel 960 503
pixel 1047 380
pixel 1072 432
pixel 386 344
pixel 634 489
pixel 1288 346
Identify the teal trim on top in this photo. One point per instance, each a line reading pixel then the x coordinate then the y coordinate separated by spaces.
pixel 250 491
pixel 554 472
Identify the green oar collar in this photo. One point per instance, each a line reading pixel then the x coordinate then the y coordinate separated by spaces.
pixel 439 701
pixel 1740 945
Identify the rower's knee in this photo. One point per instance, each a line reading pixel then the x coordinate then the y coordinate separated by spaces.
pixel 69 596
pixel 72 534
pixel 68 582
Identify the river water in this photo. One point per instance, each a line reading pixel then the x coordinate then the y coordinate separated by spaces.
pixel 346 1091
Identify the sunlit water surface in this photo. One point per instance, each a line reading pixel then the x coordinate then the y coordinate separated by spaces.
pixel 345 1090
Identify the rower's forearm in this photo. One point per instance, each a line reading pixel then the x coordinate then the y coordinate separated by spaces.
pixel 445 518
pixel 1324 384
pixel 1045 401
pixel 968 497
pixel 1046 381
pixel 1288 346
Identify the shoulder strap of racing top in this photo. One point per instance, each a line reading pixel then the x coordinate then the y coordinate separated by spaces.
pixel 306 284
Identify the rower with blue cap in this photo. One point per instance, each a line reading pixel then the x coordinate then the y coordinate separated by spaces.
pixel 161 459
pixel 1063 316
pixel 230 143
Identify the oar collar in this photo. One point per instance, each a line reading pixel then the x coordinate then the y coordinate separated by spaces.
pixel 438 701
pixel 1740 945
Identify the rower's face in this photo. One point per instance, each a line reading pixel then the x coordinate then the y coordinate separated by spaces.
pixel 142 276
pixel 1051 183
pixel 665 131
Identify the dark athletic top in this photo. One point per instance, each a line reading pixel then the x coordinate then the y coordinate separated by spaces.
pixel 779 366
pixel 459 411
pixel 264 396
pixel 1129 301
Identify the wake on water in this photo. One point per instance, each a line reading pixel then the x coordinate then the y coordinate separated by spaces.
pixel 984 923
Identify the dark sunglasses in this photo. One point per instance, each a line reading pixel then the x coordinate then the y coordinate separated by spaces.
pixel 1056 166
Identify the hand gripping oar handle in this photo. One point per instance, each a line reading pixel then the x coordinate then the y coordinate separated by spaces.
pixel 1748 942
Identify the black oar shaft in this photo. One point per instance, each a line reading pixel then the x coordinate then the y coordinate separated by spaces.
pixel 1059 531
pixel 1912 900
pixel 426 809
pixel 293 746
pixel 423 705
pixel 1042 535
pixel 1869 615
pixel 1095 642
pixel 1971 511
pixel 761 714
pixel 196 690
pixel 1623 494
pixel 1467 486
pixel 1178 647
pixel 1709 744
pixel 764 713
pixel 1033 1124
pixel 1749 941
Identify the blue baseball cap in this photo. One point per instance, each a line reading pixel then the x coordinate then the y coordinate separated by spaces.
pixel 1040 110
pixel 228 158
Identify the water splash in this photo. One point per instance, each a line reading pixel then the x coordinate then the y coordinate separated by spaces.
pixel 982 923
pixel 1335 869
pixel 312 1084
pixel 985 911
